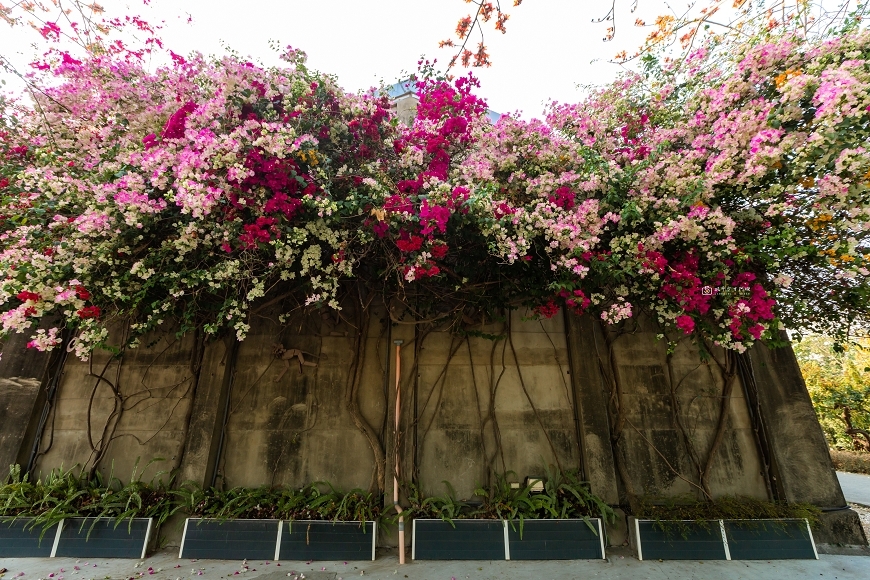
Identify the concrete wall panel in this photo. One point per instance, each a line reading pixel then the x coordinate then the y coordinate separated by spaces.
pixel 462 422
pixel 155 383
pixel 671 409
pixel 289 425
pixel 18 402
pixel 522 438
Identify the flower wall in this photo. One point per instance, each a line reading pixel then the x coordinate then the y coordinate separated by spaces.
pixel 724 199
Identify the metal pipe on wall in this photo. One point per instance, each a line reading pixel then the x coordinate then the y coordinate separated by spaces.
pixel 226 391
pixel 398 344
pixel 51 393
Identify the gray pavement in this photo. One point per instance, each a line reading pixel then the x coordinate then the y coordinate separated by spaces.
pixel 856 487
pixel 619 565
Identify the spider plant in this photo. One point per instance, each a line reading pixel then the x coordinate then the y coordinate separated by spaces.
pixel 67 494
pixel 505 502
pixel 571 497
pixel 564 496
pixel 318 501
pixel 446 507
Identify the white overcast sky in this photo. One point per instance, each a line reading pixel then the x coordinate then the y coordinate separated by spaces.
pixel 550 47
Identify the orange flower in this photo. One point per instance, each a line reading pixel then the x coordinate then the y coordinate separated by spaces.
pixel 499 25
pixel 783 78
pixel 466 57
pixel 486 11
pixel 481 58
pixel 463 27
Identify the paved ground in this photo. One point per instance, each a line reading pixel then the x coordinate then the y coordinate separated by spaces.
pixel 856 487
pixel 619 566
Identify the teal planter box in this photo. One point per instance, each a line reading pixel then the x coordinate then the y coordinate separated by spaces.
pixel 103 538
pixel 501 540
pixel 230 539
pixel 327 540
pixel 723 540
pixel 556 540
pixel 19 540
pixel 770 540
pixel 277 540
pixel 468 540
pixel 678 540
pixel 76 538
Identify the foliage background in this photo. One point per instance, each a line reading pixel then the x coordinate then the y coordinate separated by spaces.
pixel 839 385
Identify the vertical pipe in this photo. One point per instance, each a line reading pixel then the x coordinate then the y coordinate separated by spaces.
pixel 571 343
pixel 226 391
pixel 386 421
pixel 398 344
pixel 51 389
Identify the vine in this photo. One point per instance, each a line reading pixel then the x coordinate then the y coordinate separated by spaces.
pixel 729 375
pixel 529 398
pixel 677 420
pixel 352 391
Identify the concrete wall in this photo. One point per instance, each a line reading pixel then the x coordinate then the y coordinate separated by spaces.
pixel 22 399
pixel 661 436
pixel 500 406
pixel 802 466
pixel 113 412
pixel 543 392
pixel 672 410
pixel 291 426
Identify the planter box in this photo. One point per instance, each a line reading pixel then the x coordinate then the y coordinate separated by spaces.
pixel 723 540
pixel 230 539
pixel 108 539
pixel 555 540
pixel 326 540
pixel 18 541
pixel 678 540
pixel 277 540
pixel 770 540
pixel 469 540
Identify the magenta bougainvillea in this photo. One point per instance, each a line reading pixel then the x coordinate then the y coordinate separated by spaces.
pixel 720 200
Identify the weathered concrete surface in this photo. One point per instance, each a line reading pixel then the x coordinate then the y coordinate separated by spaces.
pixel 18 397
pixel 797 441
pixel 111 413
pixel 840 527
pixel 197 460
pixel 798 445
pixel 19 361
pixel 584 344
pixel 671 407
pixel 508 409
pixel 291 426
pixel 22 374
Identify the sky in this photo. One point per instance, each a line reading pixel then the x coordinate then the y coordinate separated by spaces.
pixel 550 48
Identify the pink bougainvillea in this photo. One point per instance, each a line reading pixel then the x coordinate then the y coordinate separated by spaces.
pixel 719 201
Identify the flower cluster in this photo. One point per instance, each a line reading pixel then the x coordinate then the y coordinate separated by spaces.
pixel 719 202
